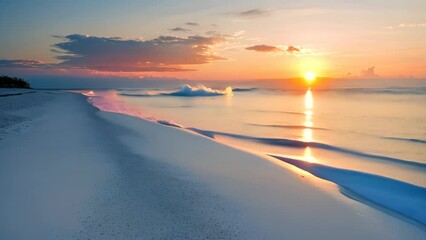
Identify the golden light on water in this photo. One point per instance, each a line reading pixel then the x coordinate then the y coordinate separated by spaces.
pixel 309 103
pixel 308 124
pixel 307 135
pixel 307 155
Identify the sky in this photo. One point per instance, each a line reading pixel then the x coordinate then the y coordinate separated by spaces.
pixel 213 39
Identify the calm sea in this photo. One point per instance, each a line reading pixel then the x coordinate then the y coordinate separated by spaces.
pixel 381 131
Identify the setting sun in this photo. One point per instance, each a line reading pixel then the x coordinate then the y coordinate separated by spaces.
pixel 310 77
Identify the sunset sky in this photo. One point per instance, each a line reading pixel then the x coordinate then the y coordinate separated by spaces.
pixel 214 40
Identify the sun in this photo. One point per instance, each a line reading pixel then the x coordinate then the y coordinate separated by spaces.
pixel 310 77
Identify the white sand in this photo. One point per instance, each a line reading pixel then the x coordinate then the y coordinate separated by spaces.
pixel 68 171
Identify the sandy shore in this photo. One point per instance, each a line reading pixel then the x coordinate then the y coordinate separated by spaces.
pixel 69 171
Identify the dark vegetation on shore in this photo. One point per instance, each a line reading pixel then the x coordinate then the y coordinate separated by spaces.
pixel 13 82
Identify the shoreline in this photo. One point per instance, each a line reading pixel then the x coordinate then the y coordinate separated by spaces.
pixel 135 122
pixel 397 198
pixel 188 181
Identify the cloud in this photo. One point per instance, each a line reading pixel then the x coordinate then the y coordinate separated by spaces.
pixel 257 12
pixel 179 29
pixel 252 13
pixel 263 48
pixel 407 25
pixel 23 64
pixel 292 49
pixel 369 72
pixel 165 53
pixel 191 24
pixel 267 48
pixel 116 54
pixel 213 33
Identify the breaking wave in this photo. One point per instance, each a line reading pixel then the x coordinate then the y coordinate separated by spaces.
pixel 199 91
pixel 185 91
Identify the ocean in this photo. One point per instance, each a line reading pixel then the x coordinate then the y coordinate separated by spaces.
pixel 375 134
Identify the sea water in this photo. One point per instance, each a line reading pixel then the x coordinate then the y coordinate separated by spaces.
pixel 379 133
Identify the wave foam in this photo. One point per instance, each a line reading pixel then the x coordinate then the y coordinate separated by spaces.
pixel 200 91
pixel 186 91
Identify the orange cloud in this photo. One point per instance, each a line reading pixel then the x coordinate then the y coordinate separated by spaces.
pixel 115 54
pixel 263 48
pixel 180 29
pixel 252 13
pixel 267 48
pixel 292 49
pixel 369 72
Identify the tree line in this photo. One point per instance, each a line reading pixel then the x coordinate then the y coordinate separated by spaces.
pixel 13 82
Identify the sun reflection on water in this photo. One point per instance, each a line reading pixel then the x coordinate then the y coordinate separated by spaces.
pixel 307 155
pixel 309 101
pixel 308 124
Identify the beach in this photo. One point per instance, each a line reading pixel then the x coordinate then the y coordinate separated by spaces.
pixel 275 119
pixel 71 171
